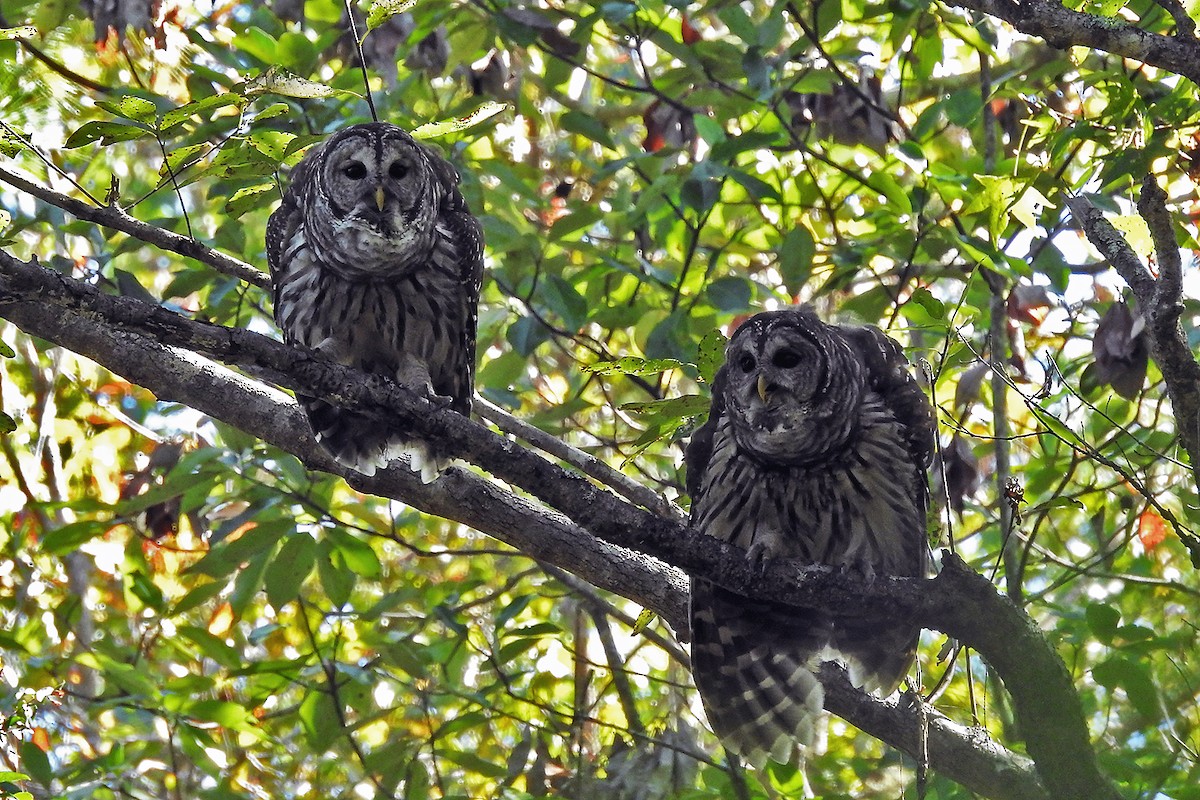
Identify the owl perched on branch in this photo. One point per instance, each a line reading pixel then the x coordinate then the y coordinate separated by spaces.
pixel 816 448
pixel 376 264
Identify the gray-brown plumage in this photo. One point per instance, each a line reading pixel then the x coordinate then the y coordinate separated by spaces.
pixel 376 264
pixel 816 448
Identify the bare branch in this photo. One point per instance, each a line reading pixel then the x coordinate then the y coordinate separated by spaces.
pixel 1061 27
pixel 116 219
pixel 585 462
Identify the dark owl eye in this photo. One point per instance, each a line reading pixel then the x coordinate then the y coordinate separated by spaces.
pixel 355 170
pixel 786 359
pixel 746 362
pixel 397 170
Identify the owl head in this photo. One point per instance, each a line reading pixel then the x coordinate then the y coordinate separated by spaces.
pixel 373 197
pixel 791 386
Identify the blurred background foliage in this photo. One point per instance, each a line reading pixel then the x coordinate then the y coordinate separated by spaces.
pixel 190 614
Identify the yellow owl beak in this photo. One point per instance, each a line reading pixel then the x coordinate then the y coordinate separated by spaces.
pixel 762 387
pixel 379 198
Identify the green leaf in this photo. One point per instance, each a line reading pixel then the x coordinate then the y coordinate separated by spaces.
pixel 383 10
pixel 7 423
pixel 104 132
pixel 359 556
pixel 10 143
pixel 587 126
pixel 137 109
pixel 232 716
pixel 272 144
pixel 320 720
pixel 688 405
pixel 1132 676
pixel 485 112
pixel 278 80
pixel 35 761
pixel 249 197
pixel 211 646
pixel 643 621
pixel 730 294
pixel 632 365
pixel 197 108
pixel 143 588
pixel 932 306
pixel 710 354
pixel 290 568
pixel 175 485
pixel 69 537
pixel 336 579
pixel 796 253
pixel 228 554
pixel 1102 620
pixel 176 159
pixel 564 300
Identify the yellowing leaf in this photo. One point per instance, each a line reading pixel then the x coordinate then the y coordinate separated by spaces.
pixel 432 129
pixel 1136 232
pixel 278 80
pixel 383 10
pixel 21 32
pixel 1028 206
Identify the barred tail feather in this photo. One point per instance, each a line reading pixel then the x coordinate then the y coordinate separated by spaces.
pixel 752 663
pixel 361 443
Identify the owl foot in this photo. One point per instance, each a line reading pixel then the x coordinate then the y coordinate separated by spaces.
pixel 760 555
pixel 860 570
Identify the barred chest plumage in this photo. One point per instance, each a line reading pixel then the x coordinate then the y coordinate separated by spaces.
pixel 844 511
pixel 373 324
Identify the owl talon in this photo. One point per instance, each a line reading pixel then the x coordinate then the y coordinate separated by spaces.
pixel 760 555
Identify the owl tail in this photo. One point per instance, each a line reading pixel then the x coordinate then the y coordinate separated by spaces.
pixel 752 662
pixel 364 444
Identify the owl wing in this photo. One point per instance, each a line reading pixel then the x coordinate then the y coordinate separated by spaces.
pixel 889 375
pixel 699 448
pixel 466 234
pixel 282 226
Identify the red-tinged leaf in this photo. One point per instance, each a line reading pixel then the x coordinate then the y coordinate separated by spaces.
pixel 689 33
pixel 1151 529
pixel 221 620
pixel 1029 303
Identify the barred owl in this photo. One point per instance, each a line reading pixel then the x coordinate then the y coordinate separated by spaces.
pixel 816 448
pixel 376 264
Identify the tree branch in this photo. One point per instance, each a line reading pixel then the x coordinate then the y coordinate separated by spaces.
pixel 1063 28
pixel 158 349
pixel 584 462
pixel 1160 301
pixel 115 218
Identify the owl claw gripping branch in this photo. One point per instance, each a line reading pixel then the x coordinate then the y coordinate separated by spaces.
pixel 376 264
pixel 816 448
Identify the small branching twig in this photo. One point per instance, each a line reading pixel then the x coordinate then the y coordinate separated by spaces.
pixel 116 219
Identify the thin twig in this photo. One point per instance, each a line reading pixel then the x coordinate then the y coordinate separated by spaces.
pixel 46 160
pixel 113 217
pixel 585 462
pixel 362 59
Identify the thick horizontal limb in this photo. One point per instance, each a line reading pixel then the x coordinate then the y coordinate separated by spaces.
pixel 591 532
